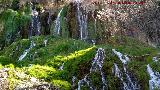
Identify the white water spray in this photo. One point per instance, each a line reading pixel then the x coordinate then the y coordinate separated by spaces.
pixel 154 82
pixel 61 67
pixel 119 74
pixel 122 57
pixel 35 23
pixel 128 84
pixel 58 23
pixel 155 59
pixel 26 51
pixel 82 20
pixel 97 64
pixel 45 42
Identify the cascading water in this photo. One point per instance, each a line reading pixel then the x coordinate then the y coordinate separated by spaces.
pixel 61 67
pixel 128 83
pixel 58 23
pixel 93 42
pixel 154 82
pixel 155 59
pixel 82 20
pixel 97 64
pixel 49 18
pixel 45 42
pixel 83 81
pixel 34 30
pixel 118 74
pixel 35 22
pixel 26 51
pixel 120 56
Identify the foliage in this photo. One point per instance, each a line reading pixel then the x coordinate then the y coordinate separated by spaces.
pixel 43 61
pixel 50 58
pixel 76 56
pixel 15 5
pixel 62 84
pixel 13 22
pixel 40 71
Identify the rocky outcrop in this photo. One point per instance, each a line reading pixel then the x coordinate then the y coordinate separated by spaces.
pixel 4 83
pixel 34 84
pixel 24 82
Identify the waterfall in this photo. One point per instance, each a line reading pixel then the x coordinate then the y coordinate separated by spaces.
pixel 82 21
pixel 34 29
pixel 124 59
pixel 26 51
pixel 155 59
pixel 49 18
pixel 118 74
pixel 94 42
pixel 83 81
pixel 35 26
pixel 97 64
pixel 58 23
pixel 154 82
pixel 128 83
pixel 45 42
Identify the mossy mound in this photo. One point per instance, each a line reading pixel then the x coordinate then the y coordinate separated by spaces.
pixel 140 55
pixel 44 60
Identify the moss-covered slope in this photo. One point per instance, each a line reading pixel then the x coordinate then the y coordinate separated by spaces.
pixel 44 59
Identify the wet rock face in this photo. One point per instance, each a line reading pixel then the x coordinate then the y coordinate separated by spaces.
pixel 76 14
pixel 71 20
pixel 46 19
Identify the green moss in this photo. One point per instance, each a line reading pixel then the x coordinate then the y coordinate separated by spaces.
pixel 113 82
pixel 55 47
pixel 138 66
pixel 139 69
pixel 16 49
pixel 96 80
pixel 155 66
pixel 131 46
pixel 77 57
pixel 72 53
pixel 63 85
pixel 11 76
pixel 1 66
pixel 40 71
pixel 12 21
pixel 140 55
pixel 5 60
pixel 63 21
pixel 77 61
